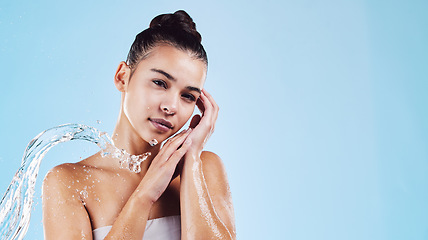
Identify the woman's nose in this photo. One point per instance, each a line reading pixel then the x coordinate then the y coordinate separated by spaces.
pixel 169 106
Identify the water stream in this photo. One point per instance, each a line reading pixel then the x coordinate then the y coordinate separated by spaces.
pixel 16 204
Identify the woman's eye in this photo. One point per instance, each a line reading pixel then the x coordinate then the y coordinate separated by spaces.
pixel 189 97
pixel 160 83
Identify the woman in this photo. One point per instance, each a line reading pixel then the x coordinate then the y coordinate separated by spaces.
pixel 160 83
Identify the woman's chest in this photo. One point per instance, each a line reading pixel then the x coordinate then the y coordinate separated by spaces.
pixel 105 200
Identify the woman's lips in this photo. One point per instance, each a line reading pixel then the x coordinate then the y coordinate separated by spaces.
pixel 161 124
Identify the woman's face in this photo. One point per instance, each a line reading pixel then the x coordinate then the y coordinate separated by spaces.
pixel 161 94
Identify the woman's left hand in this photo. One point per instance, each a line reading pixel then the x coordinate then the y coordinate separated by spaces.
pixel 203 126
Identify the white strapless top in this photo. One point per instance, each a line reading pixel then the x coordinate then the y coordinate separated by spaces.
pixel 164 228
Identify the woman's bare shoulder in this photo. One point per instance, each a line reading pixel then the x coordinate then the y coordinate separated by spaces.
pixel 65 170
pixel 215 174
pixel 218 186
pixel 64 212
pixel 213 164
pixel 209 155
pixel 66 173
pixel 60 176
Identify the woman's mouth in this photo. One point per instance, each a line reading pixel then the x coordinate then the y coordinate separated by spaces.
pixel 161 124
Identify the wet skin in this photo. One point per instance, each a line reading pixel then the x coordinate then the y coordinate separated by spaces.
pixel 157 100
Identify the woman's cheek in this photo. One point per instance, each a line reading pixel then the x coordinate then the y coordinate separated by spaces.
pixel 126 107
pixel 133 106
pixel 189 113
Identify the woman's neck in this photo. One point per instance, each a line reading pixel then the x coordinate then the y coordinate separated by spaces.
pixel 131 143
pixel 125 138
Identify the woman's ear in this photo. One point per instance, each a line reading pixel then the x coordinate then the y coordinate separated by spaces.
pixel 121 77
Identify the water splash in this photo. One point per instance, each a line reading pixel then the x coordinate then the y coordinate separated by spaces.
pixel 126 160
pixel 153 142
pixel 15 206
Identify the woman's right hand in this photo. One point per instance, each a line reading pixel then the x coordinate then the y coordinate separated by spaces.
pixel 162 168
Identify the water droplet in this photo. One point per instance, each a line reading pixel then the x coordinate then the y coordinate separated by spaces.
pixel 153 142
pixel 84 194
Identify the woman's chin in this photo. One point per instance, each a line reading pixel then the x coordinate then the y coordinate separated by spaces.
pixel 155 140
pixel 158 138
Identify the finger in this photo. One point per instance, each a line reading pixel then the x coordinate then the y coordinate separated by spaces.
pixel 176 140
pixel 213 103
pixel 208 113
pixel 176 136
pixel 176 157
pixel 169 140
pixel 169 148
pixel 215 110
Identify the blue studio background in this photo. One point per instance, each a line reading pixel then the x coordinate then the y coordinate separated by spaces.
pixel 323 117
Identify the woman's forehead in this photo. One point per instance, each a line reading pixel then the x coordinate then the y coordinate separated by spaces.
pixel 175 64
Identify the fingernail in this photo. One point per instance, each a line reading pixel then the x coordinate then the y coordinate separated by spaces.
pixel 188 141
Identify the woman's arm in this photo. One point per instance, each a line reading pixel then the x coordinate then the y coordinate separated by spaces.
pixel 65 216
pixel 206 203
pixel 131 222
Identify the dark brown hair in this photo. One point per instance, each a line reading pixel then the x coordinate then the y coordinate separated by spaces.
pixel 175 29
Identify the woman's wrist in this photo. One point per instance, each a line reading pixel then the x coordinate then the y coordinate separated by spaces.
pixel 141 198
pixel 192 154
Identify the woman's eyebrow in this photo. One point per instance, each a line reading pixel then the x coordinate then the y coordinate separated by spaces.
pixel 194 89
pixel 167 75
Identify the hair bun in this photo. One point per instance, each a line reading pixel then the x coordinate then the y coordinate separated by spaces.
pixel 178 20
